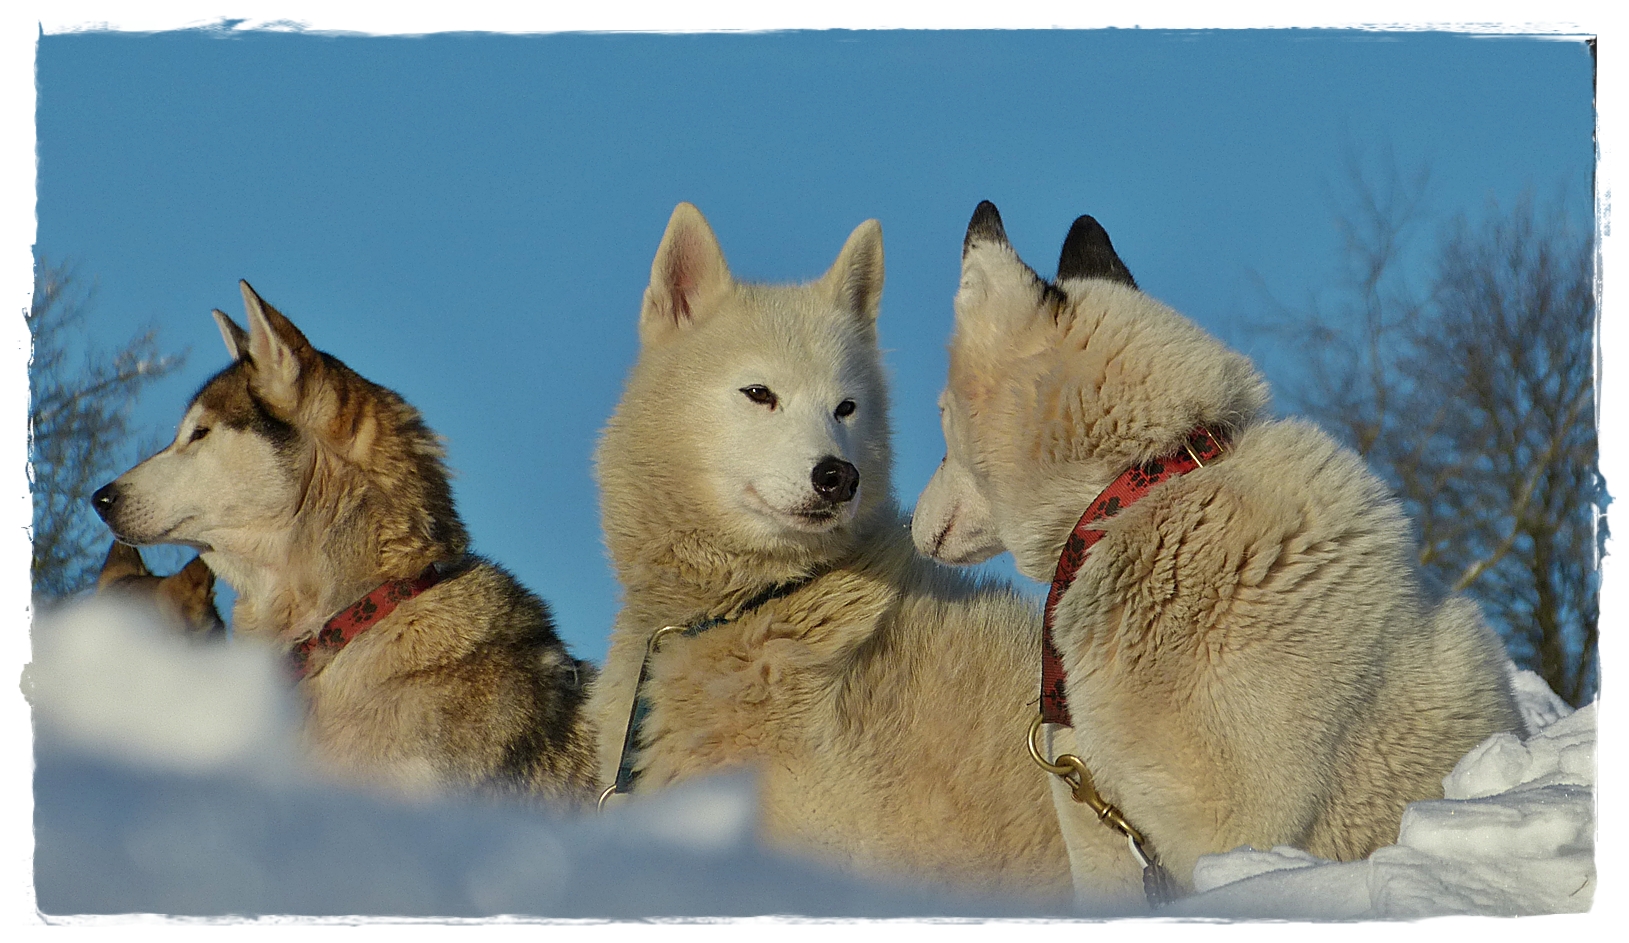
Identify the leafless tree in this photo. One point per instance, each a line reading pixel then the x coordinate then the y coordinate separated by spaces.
pixel 1464 372
pixel 79 432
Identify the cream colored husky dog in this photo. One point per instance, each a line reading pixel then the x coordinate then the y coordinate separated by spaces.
pixel 745 480
pixel 1249 659
pixel 321 498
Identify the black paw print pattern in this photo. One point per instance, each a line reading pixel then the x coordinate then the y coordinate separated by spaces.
pixel 1201 447
pixel 338 632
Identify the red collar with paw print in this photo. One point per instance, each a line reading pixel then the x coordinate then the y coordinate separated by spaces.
pixel 360 616
pixel 1201 446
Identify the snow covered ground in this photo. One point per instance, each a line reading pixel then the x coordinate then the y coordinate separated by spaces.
pixel 168 781
pixel 1514 835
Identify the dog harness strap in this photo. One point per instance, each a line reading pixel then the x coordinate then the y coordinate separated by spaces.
pixel 626 773
pixel 1201 446
pixel 360 616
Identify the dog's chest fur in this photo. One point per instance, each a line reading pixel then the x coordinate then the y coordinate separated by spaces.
pixel 753 691
pixel 882 708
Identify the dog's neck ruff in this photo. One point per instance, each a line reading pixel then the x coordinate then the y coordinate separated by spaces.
pixel 626 773
pixel 1200 447
pixel 360 616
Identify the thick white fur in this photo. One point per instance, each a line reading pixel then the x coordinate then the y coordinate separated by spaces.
pixel 884 704
pixel 1250 660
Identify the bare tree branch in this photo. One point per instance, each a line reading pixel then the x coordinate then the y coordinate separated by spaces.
pixel 78 429
pixel 1475 400
pixel 1518 513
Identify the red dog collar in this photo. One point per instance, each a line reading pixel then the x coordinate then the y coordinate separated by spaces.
pixel 338 632
pixel 1201 446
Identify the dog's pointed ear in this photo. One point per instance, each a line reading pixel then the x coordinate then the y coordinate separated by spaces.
pixel 998 291
pixel 236 338
pixel 1087 253
pixel 122 560
pixel 277 353
pixel 686 277
pixel 985 249
pixel 984 229
pixel 855 279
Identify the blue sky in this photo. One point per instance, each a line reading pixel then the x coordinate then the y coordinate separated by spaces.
pixel 470 219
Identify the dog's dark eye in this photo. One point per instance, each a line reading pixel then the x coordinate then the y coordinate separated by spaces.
pixel 761 395
pixel 199 433
pixel 844 409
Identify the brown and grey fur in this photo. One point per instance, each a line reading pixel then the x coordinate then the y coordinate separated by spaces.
pixel 883 704
pixel 1250 658
pixel 305 487
pixel 185 599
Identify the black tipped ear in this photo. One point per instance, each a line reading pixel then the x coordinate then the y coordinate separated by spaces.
pixel 985 226
pixel 1087 253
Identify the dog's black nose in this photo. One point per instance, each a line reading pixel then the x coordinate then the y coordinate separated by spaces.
pixel 835 480
pixel 105 498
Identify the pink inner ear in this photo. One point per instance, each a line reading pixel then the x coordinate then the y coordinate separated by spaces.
pixel 260 341
pixel 273 353
pixel 680 283
pixel 682 280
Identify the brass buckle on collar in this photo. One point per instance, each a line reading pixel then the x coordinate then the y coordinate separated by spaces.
pixel 1072 770
pixel 1221 446
pixel 1158 887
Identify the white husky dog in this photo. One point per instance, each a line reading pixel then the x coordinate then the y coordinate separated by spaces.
pixel 1248 657
pixel 747 504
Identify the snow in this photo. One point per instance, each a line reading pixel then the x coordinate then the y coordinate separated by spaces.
pixel 169 780
pixel 1513 835
pixel 107 677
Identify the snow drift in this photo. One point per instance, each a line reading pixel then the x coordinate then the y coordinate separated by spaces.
pixel 1514 835
pixel 169 780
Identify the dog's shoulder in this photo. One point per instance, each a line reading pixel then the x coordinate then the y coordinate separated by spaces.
pixel 1287 478
pixel 1288 518
pixel 479 613
pixel 477 657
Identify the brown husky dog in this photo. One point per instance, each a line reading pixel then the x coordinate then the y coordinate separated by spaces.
pixel 185 599
pixel 322 499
